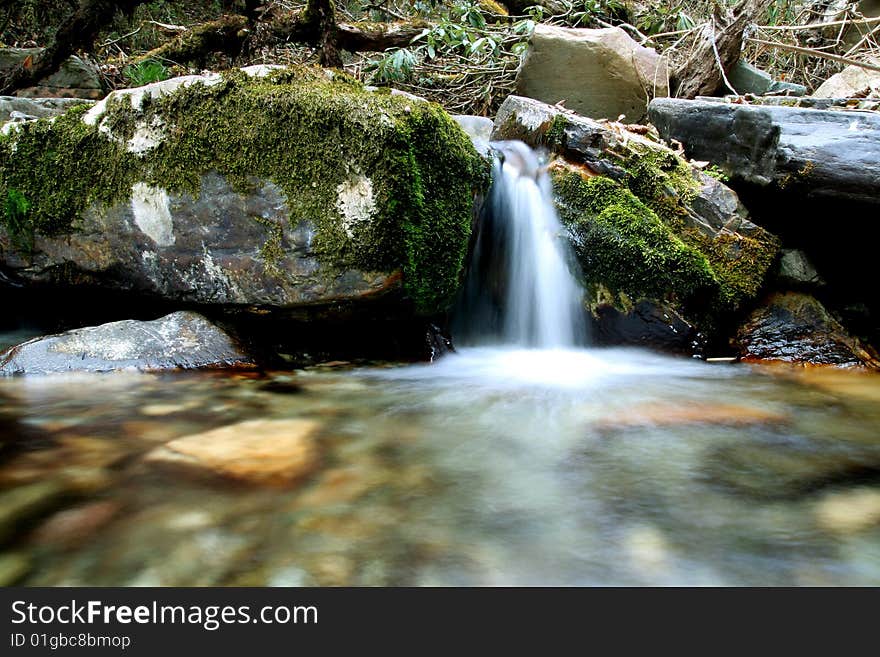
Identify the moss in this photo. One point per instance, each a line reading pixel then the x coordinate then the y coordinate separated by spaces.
pixel 306 130
pixel 624 245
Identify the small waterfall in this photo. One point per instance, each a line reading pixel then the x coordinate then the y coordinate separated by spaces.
pixel 520 289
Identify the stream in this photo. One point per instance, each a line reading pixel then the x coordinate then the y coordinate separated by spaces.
pixel 493 466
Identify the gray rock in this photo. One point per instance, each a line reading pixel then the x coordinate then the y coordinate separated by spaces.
pixel 748 79
pixel 205 249
pixel 182 340
pixel 479 129
pixel 796 269
pixel 74 79
pixel 819 154
pixel 36 107
pixel 599 73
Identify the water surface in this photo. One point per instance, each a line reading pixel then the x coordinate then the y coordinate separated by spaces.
pixel 490 467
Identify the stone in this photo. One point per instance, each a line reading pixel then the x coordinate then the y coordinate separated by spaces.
pixel 816 154
pixel 851 82
pixel 257 207
pixel 37 108
pixel 23 504
pixel 796 269
pixel 599 73
pixel 181 340
pixel 663 246
pixel 849 511
pixel 796 328
pixel 748 79
pixel 74 79
pixel 479 129
pixel 274 453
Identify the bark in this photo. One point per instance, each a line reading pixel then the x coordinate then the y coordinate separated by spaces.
pixel 226 34
pixel 77 32
pixel 700 75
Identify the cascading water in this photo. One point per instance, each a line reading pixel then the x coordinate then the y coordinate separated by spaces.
pixel 521 289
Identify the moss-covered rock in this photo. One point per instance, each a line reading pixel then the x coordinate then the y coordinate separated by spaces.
pixel 313 181
pixel 645 223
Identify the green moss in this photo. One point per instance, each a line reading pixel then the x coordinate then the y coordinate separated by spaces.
pixel 305 130
pixel 624 245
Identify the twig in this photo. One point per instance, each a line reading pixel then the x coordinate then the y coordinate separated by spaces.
pixel 817 26
pixel 815 53
pixel 718 62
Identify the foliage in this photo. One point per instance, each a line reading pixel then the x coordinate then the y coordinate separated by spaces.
pixel 145 72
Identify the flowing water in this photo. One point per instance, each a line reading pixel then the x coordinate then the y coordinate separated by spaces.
pixel 502 464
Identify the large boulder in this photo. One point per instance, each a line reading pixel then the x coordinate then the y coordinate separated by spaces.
pixel 264 187
pixel 75 78
pixel 666 250
pixel 796 328
pixel 818 154
pixel 182 340
pixel 599 73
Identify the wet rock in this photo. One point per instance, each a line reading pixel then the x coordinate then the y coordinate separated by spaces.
pixel 74 79
pixel 851 82
pixel 23 504
pixel 796 328
pixel 182 340
pixel 280 217
pixel 14 566
pixel 648 324
pixel 599 73
pixel 819 154
pixel 849 511
pixel 277 453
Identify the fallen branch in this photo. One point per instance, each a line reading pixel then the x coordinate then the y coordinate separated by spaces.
pixel 814 53
pixel 226 34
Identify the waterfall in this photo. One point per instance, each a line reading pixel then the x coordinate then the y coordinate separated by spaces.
pixel 520 288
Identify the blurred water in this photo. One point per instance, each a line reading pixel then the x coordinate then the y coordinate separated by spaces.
pixel 492 466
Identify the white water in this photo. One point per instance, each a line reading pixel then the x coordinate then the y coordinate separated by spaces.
pixel 522 290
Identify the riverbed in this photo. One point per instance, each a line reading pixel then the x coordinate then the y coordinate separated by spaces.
pixel 489 467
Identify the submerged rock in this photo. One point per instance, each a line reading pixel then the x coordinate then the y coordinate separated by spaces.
pixel 849 511
pixel 600 73
pixel 278 453
pixel 658 239
pixel 796 328
pixel 271 188
pixel 182 340
pixel 23 504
